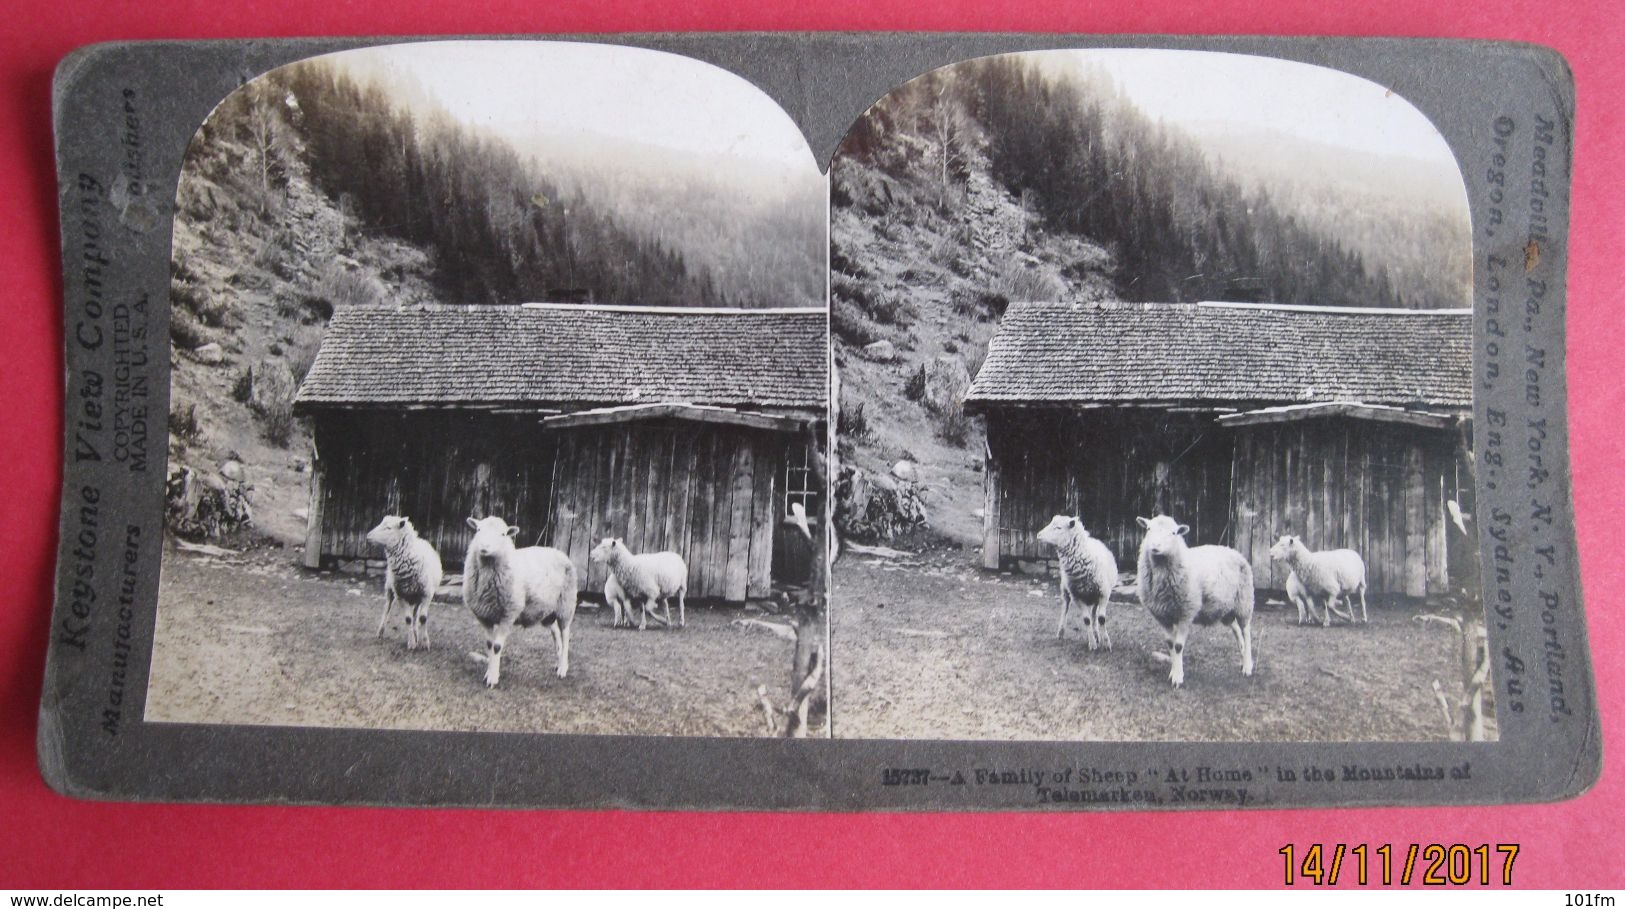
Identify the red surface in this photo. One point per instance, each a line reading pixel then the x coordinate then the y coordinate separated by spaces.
pixel 49 841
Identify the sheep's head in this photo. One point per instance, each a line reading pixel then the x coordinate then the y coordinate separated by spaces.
pixel 1285 546
pixel 391 530
pixel 1060 529
pixel 492 537
pixel 605 548
pixel 1163 536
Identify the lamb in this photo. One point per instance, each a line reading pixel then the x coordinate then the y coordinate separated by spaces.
pixel 1088 575
pixel 1297 596
pixel 1184 585
pixel 615 598
pixel 412 574
pixel 1326 576
pixel 506 587
pixel 648 580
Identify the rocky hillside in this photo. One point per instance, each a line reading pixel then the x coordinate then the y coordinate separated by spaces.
pixel 261 260
pixel 921 269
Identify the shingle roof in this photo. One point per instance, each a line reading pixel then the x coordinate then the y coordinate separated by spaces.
pixel 1222 354
pixel 570 355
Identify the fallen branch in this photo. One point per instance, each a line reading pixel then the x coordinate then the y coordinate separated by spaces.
pixel 1429 619
pixel 205 549
pixel 883 552
pixel 780 630
pixel 646 677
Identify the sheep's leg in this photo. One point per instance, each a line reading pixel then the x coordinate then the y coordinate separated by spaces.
pixel 389 601
pixel 1066 606
pixel 1329 605
pixel 1176 654
pixel 495 639
pixel 1098 615
pixel 682 607
pixel 561 647
pixel 1332 602
pixel 1364 615
pixel 1244 638
pixel 412 626
pixel 666 605
pixel 1091 633
pixel 650 608
pixel 423 621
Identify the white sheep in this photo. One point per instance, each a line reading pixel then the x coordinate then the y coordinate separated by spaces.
pixel 615 598
pixel 1088 575
pixel 1297 596
pixel 506 587
pixel 1184 585
pixel 412 574
pixel 1326 576
pixel 647 580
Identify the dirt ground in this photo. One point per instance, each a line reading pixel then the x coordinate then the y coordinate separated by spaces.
pixel 255 639
pixel 933 647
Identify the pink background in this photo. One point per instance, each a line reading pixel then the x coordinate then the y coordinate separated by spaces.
pixel 49 841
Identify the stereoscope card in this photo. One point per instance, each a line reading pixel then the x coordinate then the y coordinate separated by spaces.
pixel 817 422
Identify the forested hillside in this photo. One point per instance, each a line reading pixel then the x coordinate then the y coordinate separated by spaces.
pixel 756 230
pixel 308 190
pixel 497 230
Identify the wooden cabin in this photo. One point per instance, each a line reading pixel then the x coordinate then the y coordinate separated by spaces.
pixel 1348 427
pixel 677 429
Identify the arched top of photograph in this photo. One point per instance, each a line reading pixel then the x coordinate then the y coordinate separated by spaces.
pixel 503 172
pixel 1144 176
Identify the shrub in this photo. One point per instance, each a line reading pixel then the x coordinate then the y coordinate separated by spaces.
pixel 953 425
pixel 184 292
pixel 914 388
pixel 183 332
pixel 1018 281
pixel 854 423
pixel 982 305
pixel 838 262
pixel 276 423
pixel 213 312
pixel 183 423
pixel 243 388
pixel 849 323
pixel 300 358
pixel 339 287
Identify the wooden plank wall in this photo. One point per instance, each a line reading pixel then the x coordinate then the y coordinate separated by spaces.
pixel 436 468
pixel 709 493
pixel 1107 467
pixel 1375 488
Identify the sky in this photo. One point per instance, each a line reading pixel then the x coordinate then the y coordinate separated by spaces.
pixel 521 89
pixel 1311 102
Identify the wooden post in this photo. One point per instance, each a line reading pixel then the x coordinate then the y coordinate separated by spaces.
pixel 990 514
pixel 1414 558
pixel 313 514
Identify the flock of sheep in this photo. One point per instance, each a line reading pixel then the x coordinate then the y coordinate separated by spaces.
pixel 1183 586
pixel 508 587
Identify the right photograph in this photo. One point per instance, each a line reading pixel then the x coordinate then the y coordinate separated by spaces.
pixel 1154 408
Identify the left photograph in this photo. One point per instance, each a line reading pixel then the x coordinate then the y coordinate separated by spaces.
pixel 498 400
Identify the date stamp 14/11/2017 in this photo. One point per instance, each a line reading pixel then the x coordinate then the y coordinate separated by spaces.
pixel 1385 865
